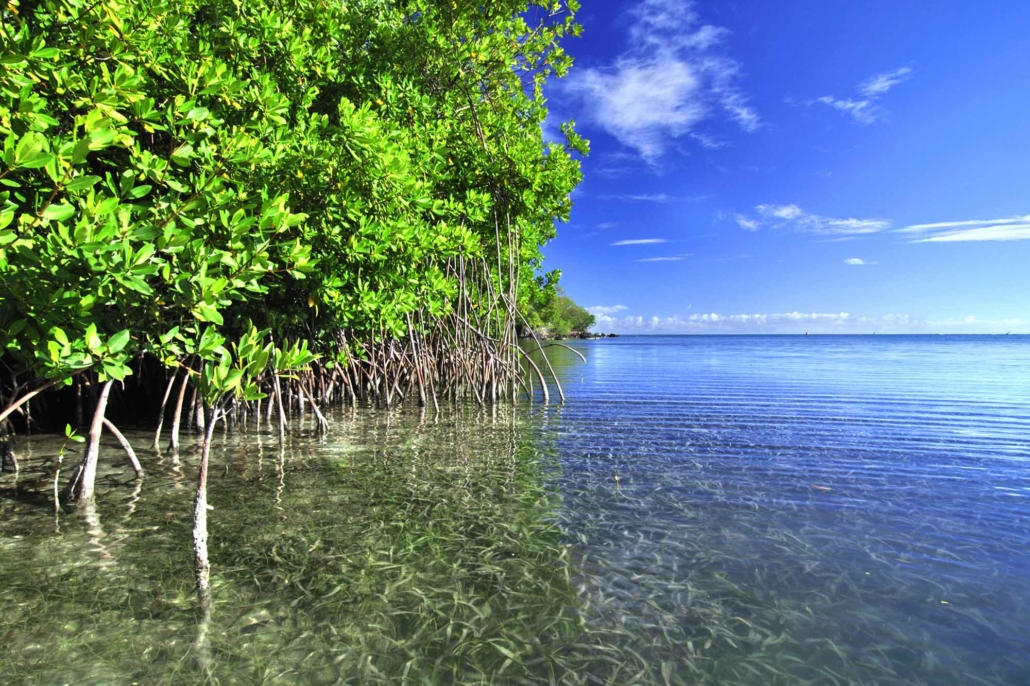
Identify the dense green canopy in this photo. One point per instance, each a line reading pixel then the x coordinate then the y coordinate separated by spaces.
pixel 176 174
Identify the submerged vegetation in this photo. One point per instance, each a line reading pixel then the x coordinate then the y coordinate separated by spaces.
pixel 215 204
pixel 421 551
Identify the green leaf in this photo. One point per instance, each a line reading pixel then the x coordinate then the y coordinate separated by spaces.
pixel 138 192
pixel 45 53
pixel 30 145
pixel 92 339
pixel 208 313
pixel 81 151
pixel 58 212
pixel 98 140
pixel 80 182
pixel 116 370
pixel 182 155
pixel 17 327
pixel 40 159
pixel 70 434
pixel 117 342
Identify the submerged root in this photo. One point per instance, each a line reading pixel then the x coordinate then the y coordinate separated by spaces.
pixel 7 456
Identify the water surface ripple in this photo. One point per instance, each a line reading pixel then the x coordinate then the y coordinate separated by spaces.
pixel 768 511
pixel 805 509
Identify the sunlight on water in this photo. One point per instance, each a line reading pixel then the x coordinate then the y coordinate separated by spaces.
pixel 808 510
pixel 779 510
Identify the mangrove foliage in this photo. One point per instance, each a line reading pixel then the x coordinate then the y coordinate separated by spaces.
pixel 222 193
pixel 205 205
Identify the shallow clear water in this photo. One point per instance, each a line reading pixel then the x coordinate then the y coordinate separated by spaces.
pixel 827 509
pixel 754 510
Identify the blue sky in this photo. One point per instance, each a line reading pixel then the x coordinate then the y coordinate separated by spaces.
pixel 797 166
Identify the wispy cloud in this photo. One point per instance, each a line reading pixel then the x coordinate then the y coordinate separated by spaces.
pixel 792 216
pixel 877 85
pixel 857 262
pixel 667 81
pixel 786 322
pixel 862 111
pixel 607 225
pixel 604 310
pixel 641 241
pixel 787 212
pixel 709 142
pixel 745 223
pixel 671 258
pixel 866 111
pixel 641 197
pixel 1008 229
pixel 785 316
pixel 653 197
pixel 801 322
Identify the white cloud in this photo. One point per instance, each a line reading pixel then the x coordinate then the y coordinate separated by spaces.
pixel 664 84
pixel 671 258
pixel 877 85
pixel 602 310
pixel 800 323
pixel 641 241
pixel 1005 232
pixel 792 216
pixel 780 211
pixel 709 142
pixel 856 262
pixel 745 223
pixel 641 197
pixel 862 111
pixel 652 197
pixel 1008 229
pixel 607 225
pixel 866 111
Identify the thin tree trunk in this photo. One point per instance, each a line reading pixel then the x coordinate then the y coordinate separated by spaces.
pixel 88 477
pixel 164 405
pixel 177 419
pixel 203 565
pixel 199 415
pixel 323 425
pixel 282 416
pixel 193 412
pixel 78 404
pixel 126 446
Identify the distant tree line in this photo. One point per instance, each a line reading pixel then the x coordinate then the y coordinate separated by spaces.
pixel 553 312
